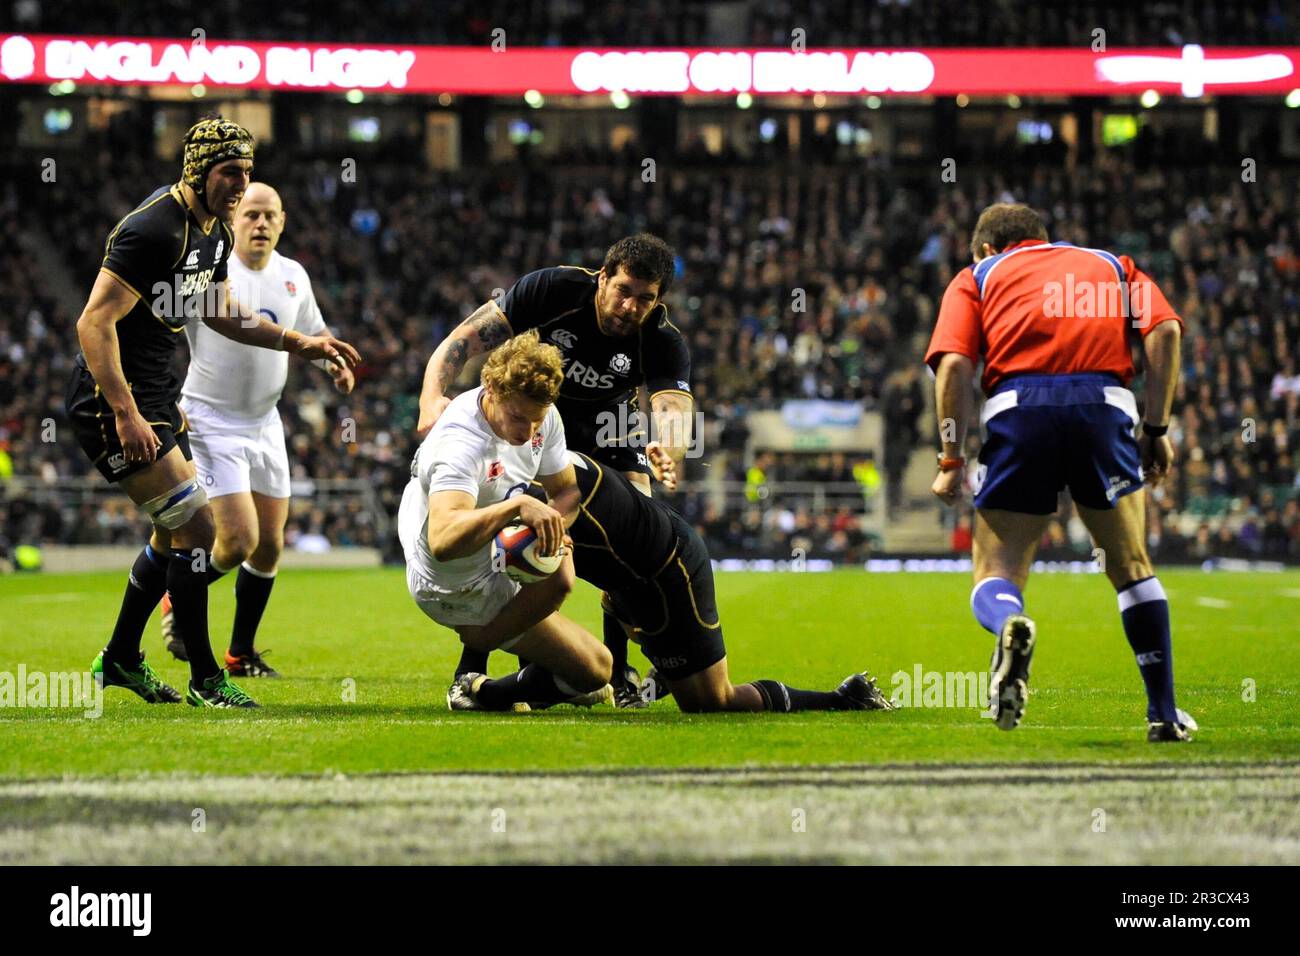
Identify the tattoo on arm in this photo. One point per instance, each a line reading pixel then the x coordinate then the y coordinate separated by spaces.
pixel 489 326
pixel 483 331
pixel 457 353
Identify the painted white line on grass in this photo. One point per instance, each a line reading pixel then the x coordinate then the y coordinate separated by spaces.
pixel 1213 602
pixel 54 597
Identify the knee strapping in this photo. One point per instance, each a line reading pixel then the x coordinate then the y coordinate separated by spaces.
pixel 176 507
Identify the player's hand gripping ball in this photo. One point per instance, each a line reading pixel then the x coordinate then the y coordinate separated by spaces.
pixel 514 550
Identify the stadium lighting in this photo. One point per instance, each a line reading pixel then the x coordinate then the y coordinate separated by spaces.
pixel 534 99
pixel 1293 99
pixel 1149 99
pixel 963 101
pixel 873 102
pixel 1013 101
pixel 444 99
pixel 819 100
pixel 62 88
pixel 198 91
pixel 744 100
pixel 620 100
pixel 354 96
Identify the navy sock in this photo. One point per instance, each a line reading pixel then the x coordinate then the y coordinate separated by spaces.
pixel 994 600
pixel 1145 612
pixel 215 573
pixel 787 700
pixel 531 684
pixel 472 662
pixel 189 590
pixel 616 641
pixel 144 589
pixel 252 591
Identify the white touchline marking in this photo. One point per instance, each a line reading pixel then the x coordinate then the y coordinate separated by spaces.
pixel 1213 602
pixel 54 597
pixel 1290 592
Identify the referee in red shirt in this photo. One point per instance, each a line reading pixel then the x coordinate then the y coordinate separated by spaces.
pixel 1053 324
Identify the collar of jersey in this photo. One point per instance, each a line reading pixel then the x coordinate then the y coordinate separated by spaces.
pixel 478 407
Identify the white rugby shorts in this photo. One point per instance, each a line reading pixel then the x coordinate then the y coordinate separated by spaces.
pixel 472 604
pixel 231 456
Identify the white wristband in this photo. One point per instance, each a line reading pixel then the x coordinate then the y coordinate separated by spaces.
pixel 279 345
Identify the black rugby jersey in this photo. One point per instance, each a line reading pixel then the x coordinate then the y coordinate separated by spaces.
pixel 601 372
pixel 621 536
pixel 160 252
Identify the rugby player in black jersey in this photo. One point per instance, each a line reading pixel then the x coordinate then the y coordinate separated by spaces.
pixel 612 328
pixel 165 264
pixel 657 577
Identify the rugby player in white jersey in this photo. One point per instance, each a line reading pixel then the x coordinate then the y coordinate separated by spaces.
pixel 470 479
pixel 229 396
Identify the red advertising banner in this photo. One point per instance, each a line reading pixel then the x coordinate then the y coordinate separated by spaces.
pixel 1190 70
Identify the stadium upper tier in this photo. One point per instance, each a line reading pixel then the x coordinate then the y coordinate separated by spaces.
pixel 874 23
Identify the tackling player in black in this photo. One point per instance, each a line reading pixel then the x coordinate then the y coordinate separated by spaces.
pixel 165 264
pixel 658 581
pixel 612 328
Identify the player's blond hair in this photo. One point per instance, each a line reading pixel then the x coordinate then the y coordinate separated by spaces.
pixel 525 366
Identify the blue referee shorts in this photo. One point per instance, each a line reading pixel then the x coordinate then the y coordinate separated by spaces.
pixel 1043 433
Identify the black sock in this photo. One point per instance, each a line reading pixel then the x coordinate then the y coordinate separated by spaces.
pixel 532 684
pixel 144 589
pixel 786 700
pixel 252 591
pixel 189 591
pixel 616 641
pixel 472 662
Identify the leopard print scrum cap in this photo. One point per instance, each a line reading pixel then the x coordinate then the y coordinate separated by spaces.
pixel 209 142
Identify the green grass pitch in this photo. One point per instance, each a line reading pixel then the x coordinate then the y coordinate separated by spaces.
pixel 354 757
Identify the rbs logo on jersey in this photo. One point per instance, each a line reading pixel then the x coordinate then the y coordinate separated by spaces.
pixel 185 297
pixel 586 376
pixel 196 282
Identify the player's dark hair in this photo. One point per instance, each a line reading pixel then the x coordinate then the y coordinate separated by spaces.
pixel 1005 223
pixel 645 257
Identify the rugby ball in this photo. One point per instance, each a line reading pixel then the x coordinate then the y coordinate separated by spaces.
pixel 514 551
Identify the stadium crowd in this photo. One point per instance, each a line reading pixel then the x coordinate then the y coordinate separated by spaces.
pixel 401 255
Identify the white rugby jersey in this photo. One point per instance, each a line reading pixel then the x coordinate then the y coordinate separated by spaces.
pixel 242 381
pixel 462 453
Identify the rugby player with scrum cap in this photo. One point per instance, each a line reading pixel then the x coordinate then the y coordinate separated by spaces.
pixel 165 263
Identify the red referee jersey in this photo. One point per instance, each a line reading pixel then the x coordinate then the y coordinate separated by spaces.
pixel 1049 308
